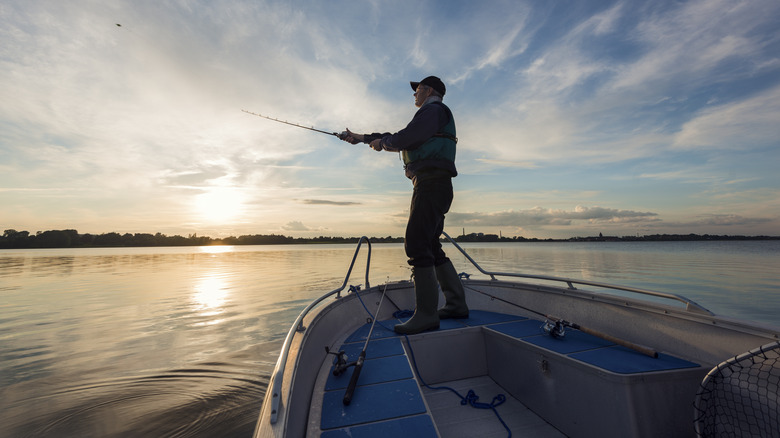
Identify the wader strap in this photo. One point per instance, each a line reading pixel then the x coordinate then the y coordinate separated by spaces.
pixel 447 136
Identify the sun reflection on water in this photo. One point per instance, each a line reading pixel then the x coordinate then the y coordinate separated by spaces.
pixel 216 249
pixel 210 297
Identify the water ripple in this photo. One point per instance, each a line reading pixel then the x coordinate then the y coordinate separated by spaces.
pixel 212 399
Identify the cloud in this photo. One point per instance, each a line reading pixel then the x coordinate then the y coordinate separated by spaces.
pixel 513 164
pixel 682 45
pixel 538 216
pixel 327 202
pixel 729 220
pixel 577 97
pixel 497 52
pixel 707 221
pixel 295 226
pixel 739 125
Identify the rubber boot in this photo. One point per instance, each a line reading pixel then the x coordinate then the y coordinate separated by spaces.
pixel 426 293
pixel 455 305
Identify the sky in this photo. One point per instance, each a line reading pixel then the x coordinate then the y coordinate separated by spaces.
pixel 574 118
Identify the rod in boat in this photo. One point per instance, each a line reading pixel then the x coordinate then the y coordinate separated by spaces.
pixel 622 342
pixel 362 358
pixel 556 329
pixel 296 125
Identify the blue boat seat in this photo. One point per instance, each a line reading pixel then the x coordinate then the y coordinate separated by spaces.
pixel 387 399
pixel 591 349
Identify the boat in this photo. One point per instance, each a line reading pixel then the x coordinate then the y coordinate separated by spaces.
pixel 538 356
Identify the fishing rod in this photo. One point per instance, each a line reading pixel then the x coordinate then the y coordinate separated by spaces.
pixel 555 327
pixel 341 366
pixel 340 136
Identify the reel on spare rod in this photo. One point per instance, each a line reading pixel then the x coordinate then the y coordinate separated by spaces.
pixel 555 329
pixel 341 364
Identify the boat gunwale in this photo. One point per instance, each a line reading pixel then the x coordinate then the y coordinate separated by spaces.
pixel 749 327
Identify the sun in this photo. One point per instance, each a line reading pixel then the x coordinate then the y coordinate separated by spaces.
pixel 219 204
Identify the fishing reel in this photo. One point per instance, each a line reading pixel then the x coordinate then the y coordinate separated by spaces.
pixel 341 363
pixel 555 329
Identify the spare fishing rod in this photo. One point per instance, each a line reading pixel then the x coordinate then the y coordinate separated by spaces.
pixel 340 136
pixel 555 327
pixel 362 357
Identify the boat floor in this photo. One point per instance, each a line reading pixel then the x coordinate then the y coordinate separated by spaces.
pixel 456 420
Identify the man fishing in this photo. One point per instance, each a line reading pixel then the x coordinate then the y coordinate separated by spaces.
pixel 427 147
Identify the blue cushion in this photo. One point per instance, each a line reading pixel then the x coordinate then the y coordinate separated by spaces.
pixel 483 317
pixel 384 369
pixel 371 403
pixel 382 329
pixel 376 348
pixel 417 426
pixel 626 361
pixel 520 329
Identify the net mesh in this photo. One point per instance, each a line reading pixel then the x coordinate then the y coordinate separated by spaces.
pixel 739 397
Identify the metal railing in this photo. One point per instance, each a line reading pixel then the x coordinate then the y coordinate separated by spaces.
pixel 690 305
pixel 298 327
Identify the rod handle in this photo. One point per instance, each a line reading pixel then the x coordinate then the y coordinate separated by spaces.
pixel 647 351
pixel 353 380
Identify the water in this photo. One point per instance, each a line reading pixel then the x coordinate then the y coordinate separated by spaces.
pixel 182 341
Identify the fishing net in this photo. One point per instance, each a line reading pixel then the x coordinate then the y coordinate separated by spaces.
pixel 739 397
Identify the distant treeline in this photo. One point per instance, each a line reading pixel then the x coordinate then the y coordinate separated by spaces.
pixel 12 239
pixel 481 237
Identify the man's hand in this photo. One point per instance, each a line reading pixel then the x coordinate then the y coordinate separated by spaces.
pixel 351 137
pixel 376 144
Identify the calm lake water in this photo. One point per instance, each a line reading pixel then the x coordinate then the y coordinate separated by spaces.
pixel 182 341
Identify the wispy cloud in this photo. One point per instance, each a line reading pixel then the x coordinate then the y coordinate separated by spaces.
pixel 721 220
pixel 514 164
pixel 682 45
pixel 327 202
pixel 576 100
pixel 538 216
pixel 296 226
pixel 746 124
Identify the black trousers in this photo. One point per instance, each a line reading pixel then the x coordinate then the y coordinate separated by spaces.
pixel 431 200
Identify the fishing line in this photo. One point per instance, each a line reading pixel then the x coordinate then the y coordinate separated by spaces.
pixel 340 136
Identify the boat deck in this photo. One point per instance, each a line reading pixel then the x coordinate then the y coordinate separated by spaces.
pixel 490 353
pixel 456 420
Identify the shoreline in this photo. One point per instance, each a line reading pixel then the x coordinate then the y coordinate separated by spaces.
pixel 12 239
